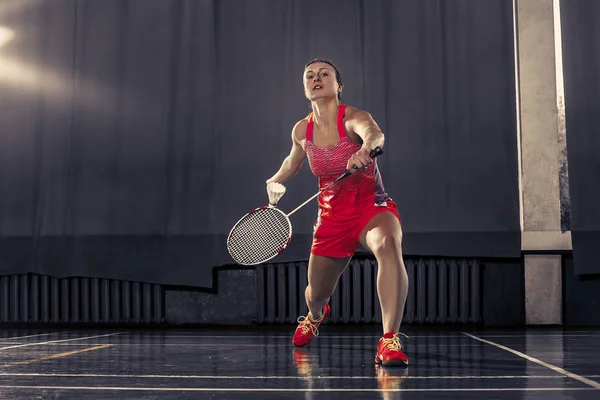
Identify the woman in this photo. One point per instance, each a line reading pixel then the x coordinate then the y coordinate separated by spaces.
pixel 335 137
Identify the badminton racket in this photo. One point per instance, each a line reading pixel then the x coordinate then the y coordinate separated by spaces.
pixel 265 232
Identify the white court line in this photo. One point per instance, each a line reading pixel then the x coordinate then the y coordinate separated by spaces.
pixel 541 336
pixel 456 331
pixel 193 389
pixel 408 377
pixel 236 337
pixel 57 341
pixel 375 337
pixel 28 336
pixel 540 362
pixel 247 345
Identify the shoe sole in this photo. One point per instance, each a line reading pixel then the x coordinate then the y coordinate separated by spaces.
pixel 395 363
pixel 392 363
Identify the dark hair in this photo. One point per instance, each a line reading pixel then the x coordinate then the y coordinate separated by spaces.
pixel 338 75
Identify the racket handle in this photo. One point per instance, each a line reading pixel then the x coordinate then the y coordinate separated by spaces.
pixel 377 151
pixel 339 178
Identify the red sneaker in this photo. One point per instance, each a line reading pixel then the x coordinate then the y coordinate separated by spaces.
pixel 389 350
pixel 308 329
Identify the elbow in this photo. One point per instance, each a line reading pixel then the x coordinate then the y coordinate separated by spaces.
pixel 375 140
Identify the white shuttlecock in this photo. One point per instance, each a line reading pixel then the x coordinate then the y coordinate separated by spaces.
pixel 276 191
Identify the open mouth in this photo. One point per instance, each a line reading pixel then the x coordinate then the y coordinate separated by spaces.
pixel 316 87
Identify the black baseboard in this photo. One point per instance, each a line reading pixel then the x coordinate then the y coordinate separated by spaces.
pixel 503 293
pixel 581 297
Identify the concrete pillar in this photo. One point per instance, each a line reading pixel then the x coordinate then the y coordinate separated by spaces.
pixel 543 289
pixel 541 139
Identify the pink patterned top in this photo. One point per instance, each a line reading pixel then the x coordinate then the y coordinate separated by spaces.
pixel 345 199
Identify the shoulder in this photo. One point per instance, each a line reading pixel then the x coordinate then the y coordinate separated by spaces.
pixel 354 114
pixel 299 130
pixel 357 121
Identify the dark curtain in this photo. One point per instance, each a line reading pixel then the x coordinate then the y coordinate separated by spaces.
pixel 136 133
pixel 581 68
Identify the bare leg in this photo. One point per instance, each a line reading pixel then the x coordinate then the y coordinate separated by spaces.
pixel 323 276
pixel 383 237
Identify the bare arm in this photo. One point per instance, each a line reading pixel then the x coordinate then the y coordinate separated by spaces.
pixel 293 162
pixel 363 124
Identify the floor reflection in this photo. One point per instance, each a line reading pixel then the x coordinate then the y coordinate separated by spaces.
pixel 389 379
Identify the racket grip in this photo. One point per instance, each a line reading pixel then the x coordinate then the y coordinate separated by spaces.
pixel 377 151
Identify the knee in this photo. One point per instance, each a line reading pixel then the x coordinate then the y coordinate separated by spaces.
pixel 389 245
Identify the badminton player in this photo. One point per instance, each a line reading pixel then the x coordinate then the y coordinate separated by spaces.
pixel 335 137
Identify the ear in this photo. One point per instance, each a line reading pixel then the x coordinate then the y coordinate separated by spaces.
pixel 341 87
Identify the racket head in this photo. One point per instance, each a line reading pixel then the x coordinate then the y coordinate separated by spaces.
pixel 259 236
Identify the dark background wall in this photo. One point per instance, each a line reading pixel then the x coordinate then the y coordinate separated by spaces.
pixel 581 63
pixel 137 132
pixel 581 296
pixel 133 134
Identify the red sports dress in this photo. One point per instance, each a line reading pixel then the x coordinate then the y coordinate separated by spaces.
pixel 346 207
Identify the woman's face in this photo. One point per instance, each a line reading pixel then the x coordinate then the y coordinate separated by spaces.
pixel 320 81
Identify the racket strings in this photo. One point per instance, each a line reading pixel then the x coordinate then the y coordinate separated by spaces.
pixel 259 236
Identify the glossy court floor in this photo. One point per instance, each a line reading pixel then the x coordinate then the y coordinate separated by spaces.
pixel 263 364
